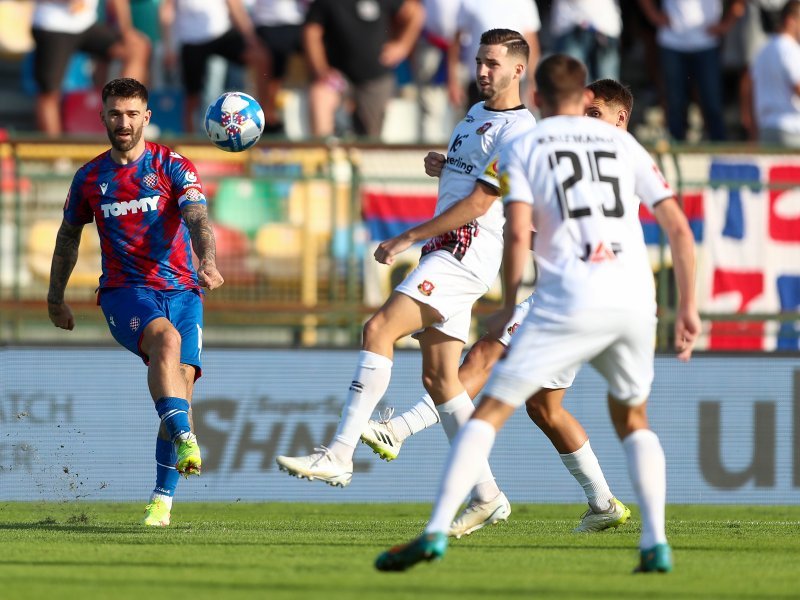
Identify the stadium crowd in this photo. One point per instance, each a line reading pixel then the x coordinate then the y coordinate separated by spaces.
pixel 334 67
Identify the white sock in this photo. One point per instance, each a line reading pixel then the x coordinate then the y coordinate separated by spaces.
pixel 648 471
pixel 587 472
pixel 454 414
pixel 469 450
pixel 368 387
pixel 417 418
pixel 166 499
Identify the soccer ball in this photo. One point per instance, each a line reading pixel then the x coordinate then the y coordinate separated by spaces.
pixel 234 121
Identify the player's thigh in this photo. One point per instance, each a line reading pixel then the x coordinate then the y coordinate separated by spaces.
pixel 441 355
pixel 627 364
pixel 185 311
pixel 101 41
pixel 128 311
pixel 399 316
pixel 53 51
pixel 439 281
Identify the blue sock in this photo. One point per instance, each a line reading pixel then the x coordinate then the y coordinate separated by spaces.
pixel 174 413
pixel 167 476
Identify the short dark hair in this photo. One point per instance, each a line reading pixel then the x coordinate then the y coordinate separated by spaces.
pixel 612 91
pixel 560 77
pixel 513 40
pixel 790 9
pixel 125 87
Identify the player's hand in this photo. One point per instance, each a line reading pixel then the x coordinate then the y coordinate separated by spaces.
pixel 497 322
pixel 434 163
pixel 208 276
pixel 392 54
pixel 388 249
pixel 61 315
pixel 687 328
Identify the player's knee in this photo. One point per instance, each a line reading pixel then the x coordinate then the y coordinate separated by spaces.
pixel 539 414
pixel 166 343
pixel 374 329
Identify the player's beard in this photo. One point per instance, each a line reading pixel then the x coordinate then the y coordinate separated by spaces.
pixel 124 146
pixel 491 90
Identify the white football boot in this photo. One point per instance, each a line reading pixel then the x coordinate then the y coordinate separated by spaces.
pixel 479 514
pixel 322 465
pixel 616 515
pixel 380 436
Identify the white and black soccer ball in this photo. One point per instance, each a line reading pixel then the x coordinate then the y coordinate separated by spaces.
pixel 234 121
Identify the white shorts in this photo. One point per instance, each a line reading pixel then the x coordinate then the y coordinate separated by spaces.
pixel 560 381
pixel 619 344
pixel 441 282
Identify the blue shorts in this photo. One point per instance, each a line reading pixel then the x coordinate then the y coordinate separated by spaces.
pixel 129 310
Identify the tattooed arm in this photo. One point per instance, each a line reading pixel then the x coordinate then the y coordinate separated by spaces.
pixel 65 256
pixel 203 244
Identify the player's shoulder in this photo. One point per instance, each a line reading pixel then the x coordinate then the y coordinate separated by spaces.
pixel 93 164
pixel 166 155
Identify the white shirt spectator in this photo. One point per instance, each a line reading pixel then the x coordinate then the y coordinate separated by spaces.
pixel 776 76
pixel 441 16
pixel 65 17
pixel 601 15
pixel 477 16
pixel 200 21
pixel 279 12
pixel 689 21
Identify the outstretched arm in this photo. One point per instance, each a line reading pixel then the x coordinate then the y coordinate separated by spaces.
pixel 65 255
pixel 681 242
pixel 462 212
pixel 203 244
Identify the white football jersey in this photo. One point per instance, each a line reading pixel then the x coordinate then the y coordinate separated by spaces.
pixel 584 179
pixel 473 152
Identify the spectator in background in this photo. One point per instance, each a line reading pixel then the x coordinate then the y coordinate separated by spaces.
pixel 589 30
pixel 352 47
pixel 775 74
pixel 437 35
pixel 279 25
pixel 204 28
pixel 689 34
pixel 473 18
pixel 62 27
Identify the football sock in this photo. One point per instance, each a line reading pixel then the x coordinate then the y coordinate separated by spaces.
pixel 468 452
pixel 165 499
pixel 174 413
pixel 648 472
pixel 420 416
pixel 368 387
pixel 587 472
pixel 454 414
pixel 167 476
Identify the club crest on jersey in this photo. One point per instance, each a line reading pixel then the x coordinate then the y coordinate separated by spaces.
pixel 483 128
pixel 150 180
pixel 135 323
pixel 425 288
pixel 103 188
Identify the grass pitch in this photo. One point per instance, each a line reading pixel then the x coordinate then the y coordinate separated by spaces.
pixel 310 551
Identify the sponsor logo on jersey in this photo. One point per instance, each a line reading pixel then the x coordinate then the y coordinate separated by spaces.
pixel 491 169
pixel 469 119
pixel 425 288
pixel 513 329
pixel 483 128
pixel 457 163
pixel 135 323
pixel 103 188
pixel 120 209
pixel 150 180
pixel 191 177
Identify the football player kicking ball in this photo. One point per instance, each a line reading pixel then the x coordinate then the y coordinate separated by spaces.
pixel 458 267
pixel 580 181
pixel 611 102
pixel 150 211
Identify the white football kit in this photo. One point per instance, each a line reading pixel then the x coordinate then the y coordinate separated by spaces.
pixel 595 296
pixel 460 266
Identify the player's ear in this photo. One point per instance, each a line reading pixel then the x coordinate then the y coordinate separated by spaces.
pixel 147 114
pixel 588 98
pixel 622 118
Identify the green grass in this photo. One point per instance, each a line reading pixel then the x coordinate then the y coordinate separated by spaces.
pixel 321 551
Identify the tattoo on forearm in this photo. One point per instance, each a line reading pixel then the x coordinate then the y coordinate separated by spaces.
pixel 65 256
pixel 196 218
